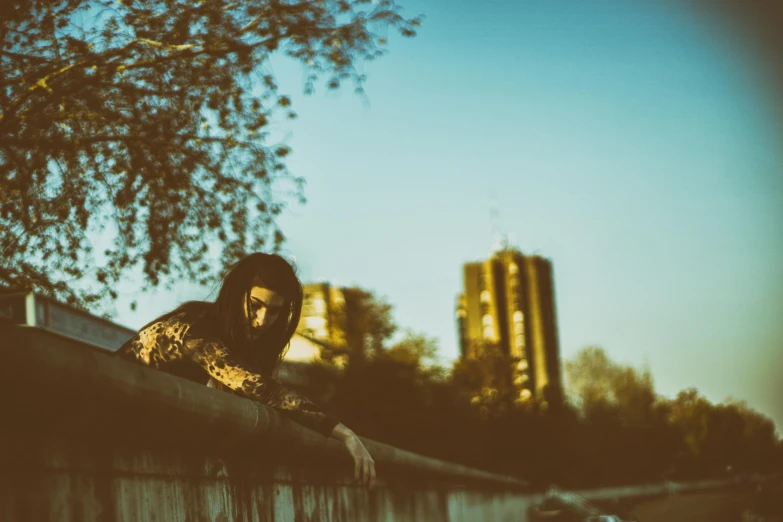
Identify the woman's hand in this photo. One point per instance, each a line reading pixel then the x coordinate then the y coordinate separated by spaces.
pixel 363 464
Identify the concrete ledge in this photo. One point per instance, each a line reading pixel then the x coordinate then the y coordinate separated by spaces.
pixel 49 384
pixel 87 437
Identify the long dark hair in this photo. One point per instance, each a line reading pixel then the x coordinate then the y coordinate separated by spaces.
pixel 226 317
pixel 275 273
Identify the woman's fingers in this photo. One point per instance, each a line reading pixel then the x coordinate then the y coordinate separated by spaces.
pixel 363 464
pixel 368 478
pixel 371 475
pixel 364 471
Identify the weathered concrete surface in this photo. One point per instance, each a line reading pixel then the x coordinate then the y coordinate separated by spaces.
pixel 87 437
pixel 66 479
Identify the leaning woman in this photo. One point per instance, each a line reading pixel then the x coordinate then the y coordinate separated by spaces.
pixel 237 343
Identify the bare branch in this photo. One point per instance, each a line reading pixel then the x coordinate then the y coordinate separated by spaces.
pixel 54 144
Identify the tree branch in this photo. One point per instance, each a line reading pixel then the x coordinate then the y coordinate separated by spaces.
pixel 30 57
pixel 61 144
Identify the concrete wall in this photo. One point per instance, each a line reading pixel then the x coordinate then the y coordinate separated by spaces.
pixel 52 479
pixel 85 436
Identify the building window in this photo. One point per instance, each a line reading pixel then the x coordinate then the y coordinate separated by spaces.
pixel 485 296
pixel 513 268
pixel 489 332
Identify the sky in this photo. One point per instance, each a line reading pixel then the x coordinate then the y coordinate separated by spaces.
pixel 632 143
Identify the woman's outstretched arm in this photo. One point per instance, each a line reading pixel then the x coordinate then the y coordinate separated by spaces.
pixel 227 369
pixel 363 464
pixel 216 359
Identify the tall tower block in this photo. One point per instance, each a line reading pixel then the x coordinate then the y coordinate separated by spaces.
pixel 509 301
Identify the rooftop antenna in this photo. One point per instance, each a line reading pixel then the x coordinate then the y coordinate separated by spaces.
pixel 500 239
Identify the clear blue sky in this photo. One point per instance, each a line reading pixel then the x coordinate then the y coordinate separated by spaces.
pixel 630 142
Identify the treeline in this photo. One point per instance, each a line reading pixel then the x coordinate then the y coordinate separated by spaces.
pixel 612 428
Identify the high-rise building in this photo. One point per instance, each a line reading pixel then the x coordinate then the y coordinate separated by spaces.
pixel 323 314
pixel 350 321
pixel 508 301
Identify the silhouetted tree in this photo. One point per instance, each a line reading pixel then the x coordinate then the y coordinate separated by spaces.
pixel 714 437
pixel 597 384
pixel 689 413
pixel 391 394
pixel 415 350
pixel 627 434
pixel 150 121
pixel 368 321
pixel 485 379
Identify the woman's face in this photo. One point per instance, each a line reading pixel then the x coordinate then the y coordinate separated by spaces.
pixel 265 307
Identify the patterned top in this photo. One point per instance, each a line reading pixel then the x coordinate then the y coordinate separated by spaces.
pixel 173 344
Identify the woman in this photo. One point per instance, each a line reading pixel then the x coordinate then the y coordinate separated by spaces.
pixel 238 341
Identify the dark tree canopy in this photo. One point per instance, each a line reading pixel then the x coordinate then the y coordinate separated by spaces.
pixel 369 321
pixel 416 350
pixel 615 430
pixel 149 121
pixel 597 383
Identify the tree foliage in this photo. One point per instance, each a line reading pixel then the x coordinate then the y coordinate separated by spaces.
pixel 485 380
pixel 368 321
pixel 415 350
pixel 618 431
pixel 597 383
pixel 149 120
pixel 714 437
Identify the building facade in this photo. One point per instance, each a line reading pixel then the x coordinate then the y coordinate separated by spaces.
pixel 351 321
pixel 508 302
pixel 323 314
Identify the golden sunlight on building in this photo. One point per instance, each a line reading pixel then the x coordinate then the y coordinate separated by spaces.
pixel 509 302
pixel 303 350
pixel 323 315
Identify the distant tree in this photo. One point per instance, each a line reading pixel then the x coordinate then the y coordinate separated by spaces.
pixel 597 383
pixel 485 379
pixel 624 436
pixel 417 351
pixel 150 121
pixel 689 413
pixel 760 440
pixel 717 436
pixel 368 321
pixel 389 393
